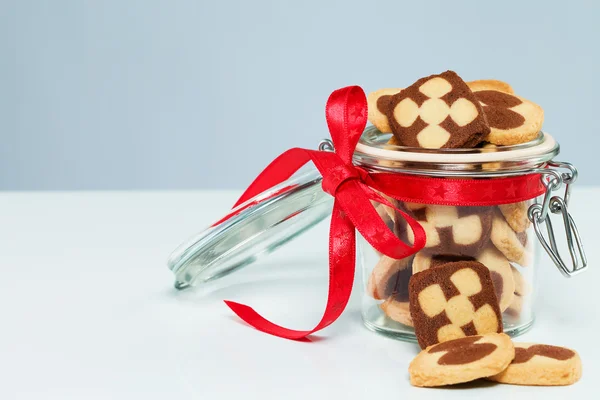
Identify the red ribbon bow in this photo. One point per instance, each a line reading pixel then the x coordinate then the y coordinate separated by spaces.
pixel 353 190
pixel 346 114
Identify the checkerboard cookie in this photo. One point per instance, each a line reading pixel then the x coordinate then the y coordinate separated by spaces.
pixel 500 270
pixel 541 365
pixel 512 119
pixel 423 261
pixel 389 280
pixel 449 229
pixel 390 277
pixel 452 301
pixel 378 102
pixel 461 360
pixel 438 111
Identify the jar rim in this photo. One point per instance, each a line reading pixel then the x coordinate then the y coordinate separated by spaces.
pixel 373 151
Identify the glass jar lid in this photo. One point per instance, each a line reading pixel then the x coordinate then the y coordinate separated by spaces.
pixel 374 151
pixel 254 228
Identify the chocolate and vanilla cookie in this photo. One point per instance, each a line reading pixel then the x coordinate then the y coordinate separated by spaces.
pixel 438 111
pixel 377 103
pixel 453 300
pixel 423 260
pixel 462 231
pixel 541 365
pixel 461 360
pixel 500 270
pixel 512 119
pixel 512 244
pixel 389 280
pixel 388 277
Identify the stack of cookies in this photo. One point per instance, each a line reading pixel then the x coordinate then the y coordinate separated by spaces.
pixel 443 111
pixel 470 275
pixel 495 236
pixel 458 324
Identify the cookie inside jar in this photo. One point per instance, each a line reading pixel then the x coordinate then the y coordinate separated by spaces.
pixel 454 233
pixel 438 131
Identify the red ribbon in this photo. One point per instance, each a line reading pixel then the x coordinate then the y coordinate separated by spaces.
pixel 353 189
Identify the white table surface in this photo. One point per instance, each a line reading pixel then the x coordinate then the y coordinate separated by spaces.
pixel 88 310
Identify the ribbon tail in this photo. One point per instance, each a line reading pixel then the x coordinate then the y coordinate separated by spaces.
pixel 342 249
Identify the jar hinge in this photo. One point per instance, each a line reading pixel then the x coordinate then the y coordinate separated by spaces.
pixel 553 179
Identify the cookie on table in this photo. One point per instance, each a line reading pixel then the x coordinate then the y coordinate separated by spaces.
pixel 541 365
pixel 516 215
pixel 499 267
pixel 453 300
pixel 377 103
pixel 438 111
pixel 512 119
pixel 449 229
pixel 490 84
pixel 397 310
pixel 461 360
pixel 389 276
pixel 512 244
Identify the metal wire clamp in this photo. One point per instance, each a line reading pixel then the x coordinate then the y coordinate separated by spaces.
pixel 553 179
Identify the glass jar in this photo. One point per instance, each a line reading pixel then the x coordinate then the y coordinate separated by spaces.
pixel 507 238
pixel 502 237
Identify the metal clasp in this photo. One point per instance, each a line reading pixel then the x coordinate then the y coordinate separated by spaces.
pixel 553 179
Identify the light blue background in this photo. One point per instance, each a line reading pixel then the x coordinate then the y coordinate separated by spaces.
pixel 203 94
